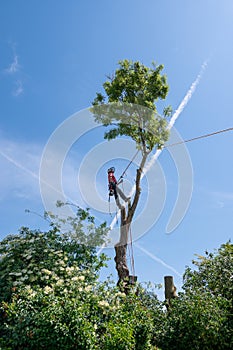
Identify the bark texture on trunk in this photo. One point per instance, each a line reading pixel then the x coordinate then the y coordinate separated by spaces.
pixel 126 219
pixel 170 290
pixel 121 250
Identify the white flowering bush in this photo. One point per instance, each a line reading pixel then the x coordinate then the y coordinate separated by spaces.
pixel 79 315
pixel 41 258
pixel 51 297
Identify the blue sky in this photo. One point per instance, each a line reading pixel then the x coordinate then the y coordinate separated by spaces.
pixel 54 57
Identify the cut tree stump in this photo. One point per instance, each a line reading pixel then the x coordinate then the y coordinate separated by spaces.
pixel 170 290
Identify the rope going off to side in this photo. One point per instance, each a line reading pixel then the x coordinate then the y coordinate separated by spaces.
pixel 130 243
pixel 199 137
pixel 178 143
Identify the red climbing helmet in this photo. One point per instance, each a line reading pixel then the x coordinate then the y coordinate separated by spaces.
pixel 111 170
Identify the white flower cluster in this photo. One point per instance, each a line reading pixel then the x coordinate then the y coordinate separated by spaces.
pixel 103 303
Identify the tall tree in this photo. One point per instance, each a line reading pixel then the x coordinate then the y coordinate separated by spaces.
pixel 128 108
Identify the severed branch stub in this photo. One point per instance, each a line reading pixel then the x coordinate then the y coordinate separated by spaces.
pixel 170 290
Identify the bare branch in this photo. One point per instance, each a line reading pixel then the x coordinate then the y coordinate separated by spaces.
pixel 132 209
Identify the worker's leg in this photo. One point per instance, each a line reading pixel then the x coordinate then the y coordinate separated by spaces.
pixel 113 186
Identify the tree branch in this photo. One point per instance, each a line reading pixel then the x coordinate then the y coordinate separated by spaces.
pixel 133 207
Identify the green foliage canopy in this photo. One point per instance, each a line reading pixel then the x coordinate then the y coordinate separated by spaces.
pixel 213 273
pixel 129 104
pixel 202 316
pixel 52 299
pixel 135 83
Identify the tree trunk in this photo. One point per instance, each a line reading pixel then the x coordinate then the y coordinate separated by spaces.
pixel 121 250
pixel 126 219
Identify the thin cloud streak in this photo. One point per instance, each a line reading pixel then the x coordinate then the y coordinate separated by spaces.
pixel 222 195
pixel 188 95
pixel 160 261
pixel 177 113
pixel 18 165
pixel 31 173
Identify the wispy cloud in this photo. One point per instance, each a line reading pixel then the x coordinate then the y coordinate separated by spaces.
pixel 14 70
pixel 14 66
pixel 215 198
pixel 18 90
pixel 223 195
pixel 221 199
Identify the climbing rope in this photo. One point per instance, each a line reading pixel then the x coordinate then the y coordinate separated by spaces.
pixel 130 242
pixel 109 206
pixel 175 144
pixel 199 137
pixel 130 245
pixel 123 174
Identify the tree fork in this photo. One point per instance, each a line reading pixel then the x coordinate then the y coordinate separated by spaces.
pixel 121 246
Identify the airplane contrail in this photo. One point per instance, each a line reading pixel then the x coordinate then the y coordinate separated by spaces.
pixel 175 116
pixel 160 261
pixel 188 95
pixel 177 113
pixel 26 170
pixel 18 165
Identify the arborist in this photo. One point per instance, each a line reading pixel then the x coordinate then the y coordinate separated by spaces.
pixel 114 189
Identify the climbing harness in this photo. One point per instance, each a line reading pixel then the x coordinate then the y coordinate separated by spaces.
pixel 111 191
pixel 112 169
